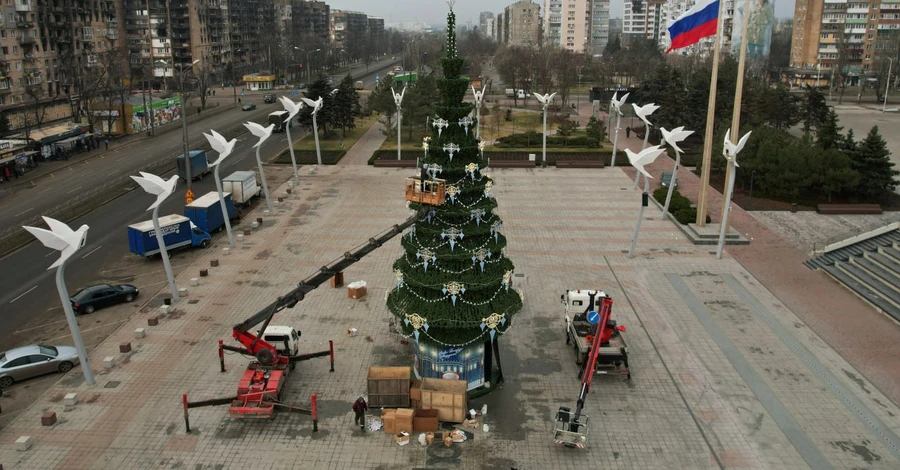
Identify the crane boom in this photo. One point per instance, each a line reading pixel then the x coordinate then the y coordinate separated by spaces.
pixel 254 344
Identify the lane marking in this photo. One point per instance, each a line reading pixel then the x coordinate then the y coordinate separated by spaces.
pixel 73 190
pixel 113 173
pixel 89 253
pixel 25 211
pixel 23 294
pixel 23 330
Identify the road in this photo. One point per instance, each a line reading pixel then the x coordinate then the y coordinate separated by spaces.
pixel 30 298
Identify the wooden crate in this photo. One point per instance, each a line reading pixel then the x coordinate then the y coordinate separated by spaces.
pixel 446 396
pixel 388 387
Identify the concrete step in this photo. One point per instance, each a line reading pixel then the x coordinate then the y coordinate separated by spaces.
pixel 885 276
pixel 886 262
pixel 863 292
pixel 873 283
pixel 891 252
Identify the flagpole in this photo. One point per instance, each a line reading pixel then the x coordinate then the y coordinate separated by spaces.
pixel 710 120
pixel 736 117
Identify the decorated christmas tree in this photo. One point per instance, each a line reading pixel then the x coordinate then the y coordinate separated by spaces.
pixel 454 296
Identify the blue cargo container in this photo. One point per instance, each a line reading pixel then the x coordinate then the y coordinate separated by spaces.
pixel 199 164
pixel 206 213
pixel 177 232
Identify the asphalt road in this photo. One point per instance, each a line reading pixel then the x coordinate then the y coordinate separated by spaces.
pixel 29 297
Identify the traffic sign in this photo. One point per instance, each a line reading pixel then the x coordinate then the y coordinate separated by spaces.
pixel 593 318
pixel 189 196
pixel 295 93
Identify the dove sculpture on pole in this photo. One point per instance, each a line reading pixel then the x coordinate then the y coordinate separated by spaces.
pixel 219 144
pixel 639 161
pixel 292 109
pixel 479 96
pixel 644 112
pixel 673 138
pixel 398 100
pixel 730 151
pixel 62 238
pixel 316 106
pixel 162 189
pixel 263 133
pixel 545 100
pixel 615 105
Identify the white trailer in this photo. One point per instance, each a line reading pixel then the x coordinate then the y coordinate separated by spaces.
pixel 242 185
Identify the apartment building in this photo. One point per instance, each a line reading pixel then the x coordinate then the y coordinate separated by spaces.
pixel 486 23
pixel 522 24
pixel 376 28
pixel 311 22
pixel 499 30
pixel 577 25
pixel 859 37
pixel 643 19
pixel 345 24
pixel 47 45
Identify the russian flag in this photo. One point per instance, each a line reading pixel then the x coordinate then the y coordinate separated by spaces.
pixel 700 21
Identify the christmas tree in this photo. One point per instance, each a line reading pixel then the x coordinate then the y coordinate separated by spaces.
pixel 454 294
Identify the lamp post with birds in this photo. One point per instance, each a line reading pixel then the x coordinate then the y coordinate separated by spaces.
pixel 292 110
pixel 730 151
pixel 615 105
pixel 479 96
pixel 639 161
pixel 316 106
pixel 545 100
pixel 673 138
pixel 162 189
pixel 224 148
pixel 263 133
pixel 643 113
pixel 398 100
pixel 67 241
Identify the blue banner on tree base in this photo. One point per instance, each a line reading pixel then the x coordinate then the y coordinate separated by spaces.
pixel 451 362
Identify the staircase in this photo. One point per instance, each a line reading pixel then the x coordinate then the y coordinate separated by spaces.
pixel 870 268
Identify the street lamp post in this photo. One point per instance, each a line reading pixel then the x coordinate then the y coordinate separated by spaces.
pixel 162 189
pixel 545 100
pixel 398 99
pixel 730 152
pixel 224 149
pixel 887 83
pixel 263 133
pixel 308 68
pixel 644 112
pixel 316 106
pixel 616 105
pixel 184 126
pixel 672 138
pixel 638 161
pixel 479 95
pixel 67 241
pixel 292 109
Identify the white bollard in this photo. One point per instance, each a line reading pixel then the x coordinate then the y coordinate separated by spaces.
pixel 240 237
pixel 195 281
pixel 254 224
pixel 71 399
pixel 182 292
pixel 140 333
pixel 109 362
pixel 225 251
pixel 165 308
pixel 24 443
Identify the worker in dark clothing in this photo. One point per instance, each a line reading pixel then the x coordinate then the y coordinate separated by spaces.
pixel 359 409
pixel 627 132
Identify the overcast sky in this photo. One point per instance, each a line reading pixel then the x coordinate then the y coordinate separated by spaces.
pixel 435 11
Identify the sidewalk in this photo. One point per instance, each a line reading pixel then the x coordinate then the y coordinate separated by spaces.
pixel 364 147
pixel 866 338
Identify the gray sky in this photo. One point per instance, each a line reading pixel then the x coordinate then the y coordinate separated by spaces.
pixel 435 11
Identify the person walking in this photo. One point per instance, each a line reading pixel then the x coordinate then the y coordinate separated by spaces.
pixel 359 409
pixel 106 143
pixel 627 132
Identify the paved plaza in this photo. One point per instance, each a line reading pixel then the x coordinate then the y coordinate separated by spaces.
pixel 726 375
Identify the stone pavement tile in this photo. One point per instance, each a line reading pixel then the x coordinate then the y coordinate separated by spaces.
pixel 684 408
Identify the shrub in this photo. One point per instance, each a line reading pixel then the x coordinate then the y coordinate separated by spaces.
pixel 677 203
pixel 688 216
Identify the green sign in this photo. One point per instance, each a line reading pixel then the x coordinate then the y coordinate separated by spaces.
pixel 161 112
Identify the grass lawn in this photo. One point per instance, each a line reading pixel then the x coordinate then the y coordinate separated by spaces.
pixel 419 132
pixel 333 142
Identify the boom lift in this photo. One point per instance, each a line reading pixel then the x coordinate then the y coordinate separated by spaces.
pixel 571 429
pixel 260 387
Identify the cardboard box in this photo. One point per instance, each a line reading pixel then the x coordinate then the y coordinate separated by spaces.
pixel 403 420
pixel 401 438
pixel 426 420
pixel 447 396
pixel 415 390
pixel 429 438
pixel 356 290
pixel 388 417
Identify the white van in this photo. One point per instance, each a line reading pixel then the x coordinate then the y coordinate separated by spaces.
pixel 286 340
pixel 520 94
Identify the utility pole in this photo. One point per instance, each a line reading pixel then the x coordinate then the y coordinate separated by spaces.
pixel 184 128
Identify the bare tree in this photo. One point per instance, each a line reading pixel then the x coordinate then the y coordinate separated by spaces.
pixel 564 67
pixel 113 90
pixel 37 112
pixel 203 83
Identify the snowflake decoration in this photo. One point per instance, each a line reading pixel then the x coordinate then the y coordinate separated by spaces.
pixel 477 215
pixel 465 123
pixel 452 233
pixel 454 289
pixel 412 232
pixel 492 322
pixel 495 230
pixel 417 322
pixel 439 124
pixel 452 191
pixel 433 169
pixel 451 148
pixel 471 169
pixel 480 255
pixel 426 255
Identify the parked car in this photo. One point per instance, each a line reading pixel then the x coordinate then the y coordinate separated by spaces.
pixel 269 98
pixel 34 360
pixel 248 107
pixel 666 179
pixel 91 298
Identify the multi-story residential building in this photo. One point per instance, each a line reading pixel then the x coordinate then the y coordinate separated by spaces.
pixel 522 24
pixel 499 29
pixel 311 22
pixel 643 19
pixel 854 36
pixel 486 23
pixel 375 28
pixel 346 24
pixel 615 29
pixel 577 25
pixel 47 47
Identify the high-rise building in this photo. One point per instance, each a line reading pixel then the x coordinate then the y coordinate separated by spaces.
pixel 311 22
pixel 499 30
pixel 486 23
pixel 346 25
pixel 855 36
pixel 577 25
pixel 522 24
pixel 643 19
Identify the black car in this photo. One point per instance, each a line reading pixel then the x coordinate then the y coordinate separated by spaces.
pixel 103 295
pixel 248 107
pixel 269 98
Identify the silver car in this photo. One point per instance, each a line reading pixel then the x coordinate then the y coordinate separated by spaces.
pixel 30 361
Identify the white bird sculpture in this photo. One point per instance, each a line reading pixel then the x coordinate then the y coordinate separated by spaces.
pixel 398 98
pixel 643 112
pixel 478 94
pixel 675 136
pixel 291 107
pixel 220 145
pixel 60 237
pixel 153 184
pixel 259 131
pixel 731 150
pixel 315 105
pixel 617 103
pixel 334 92
pixel 644 157
pixel 544 99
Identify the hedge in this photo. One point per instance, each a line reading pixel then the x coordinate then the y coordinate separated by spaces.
pixel 604 155
pixel 306 157
pixel 679 206
pixel 535 140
